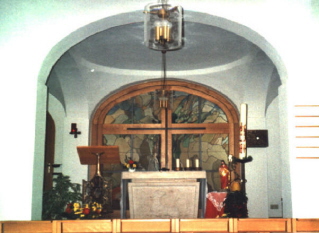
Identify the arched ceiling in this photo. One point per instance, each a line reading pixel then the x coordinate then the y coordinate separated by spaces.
pixel 204 47
pixel 207 50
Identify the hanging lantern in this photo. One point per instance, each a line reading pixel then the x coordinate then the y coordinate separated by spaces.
pixel 164 98
pixel 163 26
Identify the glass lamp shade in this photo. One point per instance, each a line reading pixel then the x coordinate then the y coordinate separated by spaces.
pixel 163 26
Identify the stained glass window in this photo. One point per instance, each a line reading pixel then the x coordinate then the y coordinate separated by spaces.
pixel 141 109
pixel 141 113
pixel 188 108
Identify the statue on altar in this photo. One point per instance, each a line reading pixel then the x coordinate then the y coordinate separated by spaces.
pixel 153 164
pixel 224 175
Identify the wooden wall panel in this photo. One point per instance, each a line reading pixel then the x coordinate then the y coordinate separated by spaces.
pixel 27 227
pixel 204 225
pixel 262 225
pixel 162 225
pixel 305 225
pixel 145 225
pixel 81 226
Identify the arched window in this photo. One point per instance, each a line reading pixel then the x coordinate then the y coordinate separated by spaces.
pixel 199 123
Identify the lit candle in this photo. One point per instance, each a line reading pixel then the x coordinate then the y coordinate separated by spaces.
pixel 196 163
pixel 73 127
pixel 187 163
pixel 243 114
pixel 177 163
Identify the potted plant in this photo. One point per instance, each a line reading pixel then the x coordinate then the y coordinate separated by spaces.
pixel 56 199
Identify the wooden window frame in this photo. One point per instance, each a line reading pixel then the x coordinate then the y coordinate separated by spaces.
pixel 98 128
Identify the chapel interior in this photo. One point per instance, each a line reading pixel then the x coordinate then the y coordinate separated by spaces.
pixel 114 81
pixel 165 118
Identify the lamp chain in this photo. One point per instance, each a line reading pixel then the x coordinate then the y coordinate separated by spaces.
pixel 164 68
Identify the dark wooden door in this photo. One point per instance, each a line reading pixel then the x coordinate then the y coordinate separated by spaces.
pixel 49 153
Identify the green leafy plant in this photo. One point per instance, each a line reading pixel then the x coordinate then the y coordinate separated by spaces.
pixel 56 199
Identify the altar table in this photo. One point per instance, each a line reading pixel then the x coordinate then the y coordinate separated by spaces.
pixel 164 194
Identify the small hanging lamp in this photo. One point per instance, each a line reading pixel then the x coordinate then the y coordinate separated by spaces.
pixel 163 26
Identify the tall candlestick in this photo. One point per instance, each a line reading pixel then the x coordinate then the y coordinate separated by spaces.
pixel 242 131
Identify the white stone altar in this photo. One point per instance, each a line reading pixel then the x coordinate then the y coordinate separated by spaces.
pixel 158 195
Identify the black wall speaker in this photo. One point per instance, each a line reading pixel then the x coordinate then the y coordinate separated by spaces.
pixel 257 138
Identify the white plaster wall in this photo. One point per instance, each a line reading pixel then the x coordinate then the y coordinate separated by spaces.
pixel 70 162
pixel 274 161
pixel 29 46
pixel 256 171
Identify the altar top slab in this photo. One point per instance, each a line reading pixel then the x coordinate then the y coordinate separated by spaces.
pixel 164 175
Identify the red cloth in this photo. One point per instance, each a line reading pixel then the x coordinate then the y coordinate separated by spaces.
pixel 214 204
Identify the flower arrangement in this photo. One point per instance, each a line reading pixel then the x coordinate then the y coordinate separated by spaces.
pixel 130 163
pixel 88 211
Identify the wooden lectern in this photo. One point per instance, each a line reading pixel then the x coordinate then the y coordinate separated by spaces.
pixel 98 191
pixel 110 154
